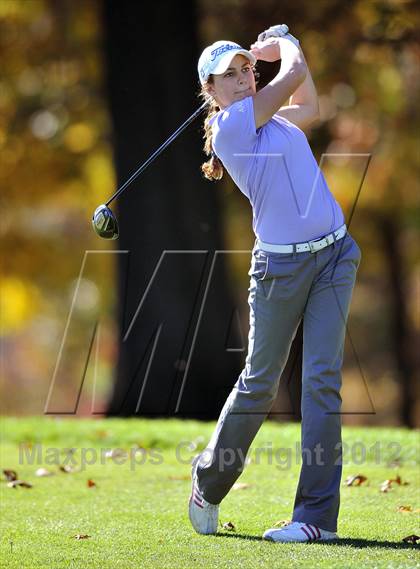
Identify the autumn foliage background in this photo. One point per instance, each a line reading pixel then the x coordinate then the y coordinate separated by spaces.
pixel 56 166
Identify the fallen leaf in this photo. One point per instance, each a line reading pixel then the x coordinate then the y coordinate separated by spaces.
pixel 81 536
pixel 101 434
pixel 115 452
pixel 240 486
pixel 228 526
pixel 15 483
pixel 386 486
pixel 67 468
pixel 10 474
pixel 282 523
pixel 411 539
pixel 91 483
pixel 357 480
pixel 399 481
pixel 404 509
pixel 44 472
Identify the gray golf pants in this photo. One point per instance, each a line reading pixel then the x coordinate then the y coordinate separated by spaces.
pixel 284 288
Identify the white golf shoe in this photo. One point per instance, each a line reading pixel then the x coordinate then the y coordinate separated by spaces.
pixel 204 516
pixel 298 531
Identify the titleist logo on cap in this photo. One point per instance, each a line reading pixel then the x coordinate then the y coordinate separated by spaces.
pixel 222 49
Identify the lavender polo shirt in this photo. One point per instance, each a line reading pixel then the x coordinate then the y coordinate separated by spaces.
pixel 275 168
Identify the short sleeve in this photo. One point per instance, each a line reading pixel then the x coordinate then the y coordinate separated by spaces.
pixel 234 128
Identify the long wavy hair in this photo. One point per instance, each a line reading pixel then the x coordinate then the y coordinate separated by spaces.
pixel 213 168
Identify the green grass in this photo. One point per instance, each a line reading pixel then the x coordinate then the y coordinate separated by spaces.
pixel 137 515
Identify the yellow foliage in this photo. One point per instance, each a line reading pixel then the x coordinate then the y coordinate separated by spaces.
pixel 99 173
pixel 18 303
pixel 80 137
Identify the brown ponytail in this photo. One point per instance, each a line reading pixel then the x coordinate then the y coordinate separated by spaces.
pixel 213 168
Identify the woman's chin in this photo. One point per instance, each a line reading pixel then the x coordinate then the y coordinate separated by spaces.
pixel 240 96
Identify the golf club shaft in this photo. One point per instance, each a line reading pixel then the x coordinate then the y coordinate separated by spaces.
pixel 156 153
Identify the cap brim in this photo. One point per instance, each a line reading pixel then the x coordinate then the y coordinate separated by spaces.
pixel 227 58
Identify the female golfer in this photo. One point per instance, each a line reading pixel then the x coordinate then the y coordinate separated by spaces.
pixel 304 265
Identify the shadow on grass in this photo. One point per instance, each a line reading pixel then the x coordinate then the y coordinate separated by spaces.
pixel 356 543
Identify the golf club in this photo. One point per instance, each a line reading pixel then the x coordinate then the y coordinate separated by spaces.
pixel 104 221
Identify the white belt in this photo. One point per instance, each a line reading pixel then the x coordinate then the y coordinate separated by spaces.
pixel 313 245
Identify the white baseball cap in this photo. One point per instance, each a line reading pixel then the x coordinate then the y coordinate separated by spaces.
pixel 216 58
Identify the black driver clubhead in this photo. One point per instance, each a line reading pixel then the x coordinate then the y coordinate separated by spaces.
pixel 105 223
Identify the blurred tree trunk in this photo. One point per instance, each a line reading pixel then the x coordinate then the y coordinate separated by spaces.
pixel 389 228
pixel 152 85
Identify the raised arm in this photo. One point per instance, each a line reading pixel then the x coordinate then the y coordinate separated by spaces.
pixel 292 73
pixel 303 107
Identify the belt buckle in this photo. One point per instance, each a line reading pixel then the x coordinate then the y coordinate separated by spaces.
pixel 311 247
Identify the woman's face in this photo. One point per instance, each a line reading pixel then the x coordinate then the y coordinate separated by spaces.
pixel 236 83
